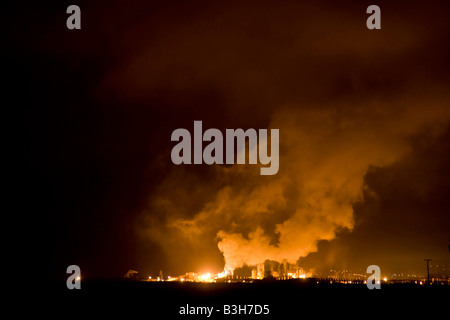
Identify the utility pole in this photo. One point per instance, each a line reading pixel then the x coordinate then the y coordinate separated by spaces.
pixel 428 269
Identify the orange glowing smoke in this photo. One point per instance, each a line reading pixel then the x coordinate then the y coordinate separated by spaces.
pixel 324 156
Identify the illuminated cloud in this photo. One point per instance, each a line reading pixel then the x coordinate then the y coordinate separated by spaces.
pixel 325 154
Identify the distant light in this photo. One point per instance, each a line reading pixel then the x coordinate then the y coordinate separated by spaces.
pixel 205 277
pixel 378 281
pixel 385 279
pixel 78 278
pixel 168 277
pixel 149 277
pixel 182 279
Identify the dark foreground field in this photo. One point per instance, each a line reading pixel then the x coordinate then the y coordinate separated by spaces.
pixel 296 299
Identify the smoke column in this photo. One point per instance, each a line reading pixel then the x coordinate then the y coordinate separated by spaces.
pixel 324 155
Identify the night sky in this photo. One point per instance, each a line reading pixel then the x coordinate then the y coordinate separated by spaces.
pixel 363 118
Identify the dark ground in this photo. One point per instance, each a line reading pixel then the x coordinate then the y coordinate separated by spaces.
pixel 286 299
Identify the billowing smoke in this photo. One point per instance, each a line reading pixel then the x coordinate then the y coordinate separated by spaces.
pixel 343 100
pixel 324 155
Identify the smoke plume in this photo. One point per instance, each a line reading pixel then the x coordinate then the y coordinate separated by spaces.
pixel 324 155
pixel 343 100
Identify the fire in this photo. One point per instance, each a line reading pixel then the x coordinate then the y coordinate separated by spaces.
pixel 205 277
pixel 258 272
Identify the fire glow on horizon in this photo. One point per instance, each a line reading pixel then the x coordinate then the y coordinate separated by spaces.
pixel 229 276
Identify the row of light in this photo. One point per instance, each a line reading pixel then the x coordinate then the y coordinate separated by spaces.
pixel 206 277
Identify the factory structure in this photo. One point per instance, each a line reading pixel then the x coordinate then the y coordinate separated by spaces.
pixel 266 270
pixel 273 269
